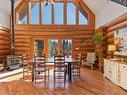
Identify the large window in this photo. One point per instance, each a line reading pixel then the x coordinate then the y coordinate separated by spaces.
pixel 46 14
pixel 58 13
pixel 34 12
pixel 21 15
pixel 71 13
pixel 51 13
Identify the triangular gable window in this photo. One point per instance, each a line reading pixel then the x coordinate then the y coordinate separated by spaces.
pixel 82 17
pixel 21 15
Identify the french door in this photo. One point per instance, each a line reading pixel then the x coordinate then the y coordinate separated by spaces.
pixel 39 47
pixel 51 47
pixel 67 48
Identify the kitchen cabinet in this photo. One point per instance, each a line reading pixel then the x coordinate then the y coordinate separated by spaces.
pixel 123 75
pixel 116 72
pixel 107 68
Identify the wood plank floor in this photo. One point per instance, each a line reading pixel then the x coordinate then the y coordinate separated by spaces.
pixel 92 82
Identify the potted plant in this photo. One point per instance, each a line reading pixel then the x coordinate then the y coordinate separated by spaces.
pixel 99 40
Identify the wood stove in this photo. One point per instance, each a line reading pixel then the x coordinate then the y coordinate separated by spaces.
pixel 13 62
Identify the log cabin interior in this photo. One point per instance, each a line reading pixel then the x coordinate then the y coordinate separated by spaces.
pixel 63 47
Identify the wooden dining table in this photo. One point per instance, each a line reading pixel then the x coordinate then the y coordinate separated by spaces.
pixel 69 62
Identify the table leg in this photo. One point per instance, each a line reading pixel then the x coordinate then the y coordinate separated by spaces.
pixel 33 72
pixel 69 71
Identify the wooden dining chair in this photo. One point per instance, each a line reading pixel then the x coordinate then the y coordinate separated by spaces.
pixel 2 64
pixel 59 69
pixel 27 69
pixel 76 66
pixel 41 71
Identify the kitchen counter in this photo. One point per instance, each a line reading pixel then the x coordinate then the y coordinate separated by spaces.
pixel 117 60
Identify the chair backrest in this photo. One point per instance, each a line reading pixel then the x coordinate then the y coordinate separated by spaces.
pixel 59 61
pixel 24 56
pixel 40 60
pixel 91 57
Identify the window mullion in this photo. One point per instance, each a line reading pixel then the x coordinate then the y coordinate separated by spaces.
pixel 77 12
pixel 52 14
pixel 40 18
pixel 28 12
pixel 65 12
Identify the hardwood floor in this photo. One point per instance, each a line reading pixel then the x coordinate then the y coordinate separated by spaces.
pixel 92 82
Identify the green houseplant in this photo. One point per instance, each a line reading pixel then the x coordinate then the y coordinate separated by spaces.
pixel 98 38
pixel 99 41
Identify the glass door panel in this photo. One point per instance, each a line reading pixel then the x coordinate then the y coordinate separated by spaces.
pixel 39 47
pixel 67 48
pixel 52 48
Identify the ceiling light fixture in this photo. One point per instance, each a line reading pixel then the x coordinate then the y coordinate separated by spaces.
pixel 47 2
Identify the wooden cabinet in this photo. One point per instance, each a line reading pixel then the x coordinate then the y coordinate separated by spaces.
pixel 107 68
pixel 116 72
pixel 123 75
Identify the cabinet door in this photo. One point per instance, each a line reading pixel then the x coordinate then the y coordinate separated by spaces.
pixel 123 76
pixel 107 68
pixel 114 72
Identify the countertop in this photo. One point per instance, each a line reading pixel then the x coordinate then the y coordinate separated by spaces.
pixel 117 60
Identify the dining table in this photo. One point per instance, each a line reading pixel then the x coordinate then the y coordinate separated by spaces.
pixel 68 63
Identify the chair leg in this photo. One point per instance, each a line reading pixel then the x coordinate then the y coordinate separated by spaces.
pixel 91 66
pixel 48 74
pixel 45 78
pixel 82 64
pixel 79 72
pixel 35 77
pixel 54 79
pixel 23 73
pixel 64 78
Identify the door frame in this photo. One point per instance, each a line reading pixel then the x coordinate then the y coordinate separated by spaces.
pixel 46 39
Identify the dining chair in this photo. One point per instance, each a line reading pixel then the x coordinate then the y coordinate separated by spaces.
pixel 27 69
pixel 2 64
pixel 76 66
pixel 59 69
pixel 41 70
pixel 90 60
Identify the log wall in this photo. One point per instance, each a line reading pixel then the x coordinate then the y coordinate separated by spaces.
pixel 24 40
pixel 4 42
pixel 25 34
pixel 113 26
